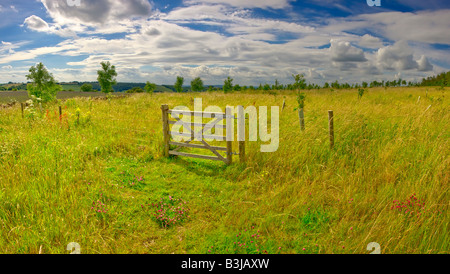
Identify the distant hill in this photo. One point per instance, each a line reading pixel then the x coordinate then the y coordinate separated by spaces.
pixel 119 87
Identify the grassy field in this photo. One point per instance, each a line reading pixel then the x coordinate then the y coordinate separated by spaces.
pixel 385 181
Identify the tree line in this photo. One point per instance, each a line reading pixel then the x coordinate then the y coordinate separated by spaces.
pixel 43 85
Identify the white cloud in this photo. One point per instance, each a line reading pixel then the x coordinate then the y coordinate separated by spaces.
pixel 263 4
pixel 36 23
pixel 428 26
pixel 96 12
pixel 424 65
pixel 368 41
pixel 342 51
pixel 400 57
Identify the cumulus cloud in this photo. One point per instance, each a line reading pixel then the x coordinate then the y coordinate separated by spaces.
pixel 423 64
pixel 342 51
pixel 400 57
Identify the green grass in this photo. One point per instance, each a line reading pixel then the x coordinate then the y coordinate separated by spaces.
pixel 304 198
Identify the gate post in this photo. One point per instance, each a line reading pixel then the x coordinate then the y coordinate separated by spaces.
pixel 241 133
pixel 165 120
pixel 229 135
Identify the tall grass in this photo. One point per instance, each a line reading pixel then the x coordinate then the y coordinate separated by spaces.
pixel 304 198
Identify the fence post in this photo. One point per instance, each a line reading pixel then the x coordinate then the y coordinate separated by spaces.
pixel 60 113
pixel 301 117
pixel 229 135
pixel 21 106
pixel 165 120
pixel 241 133
pixel 331 127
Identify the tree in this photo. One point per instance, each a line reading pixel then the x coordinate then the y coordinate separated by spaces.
pixel 228 85
pixel 150 87
pixel 179 84
pixel 86 87
pixel 107 77
pixel 43 84
pixel 300 82
pixel 197 84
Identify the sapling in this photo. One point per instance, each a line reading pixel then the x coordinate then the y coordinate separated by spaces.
pixel 360 93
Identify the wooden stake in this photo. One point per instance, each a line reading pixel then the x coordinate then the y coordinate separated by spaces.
pixel 60 113
pixel 22 107
pixel 165 120
pixel 284 104
pixel 331 127
pixel 301 117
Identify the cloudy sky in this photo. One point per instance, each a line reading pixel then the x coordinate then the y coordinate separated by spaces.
pixel 253 41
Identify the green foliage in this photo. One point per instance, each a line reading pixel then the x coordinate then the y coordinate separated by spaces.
pixel 315 220
pixel 135 90
pixel 237 88
pixel 301 96
pixel 228 85
pixel 43 84
pixel 107 77
pixel 247 241
pixel 300 82
pixel 179 84
pixel 442 79
pixel 360 93
pixel 150 87
pixel 197 84
pixel 86 87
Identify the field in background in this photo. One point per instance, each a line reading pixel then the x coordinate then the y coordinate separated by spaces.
pixel 385 181
pixel 22 96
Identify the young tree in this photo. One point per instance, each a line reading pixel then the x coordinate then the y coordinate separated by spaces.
pixel 228 85
pixel 300 82
pixel 150 87
pixel 107 77
pixel 179 84
pixel 86 87
pixel 43 84
pixel 197 84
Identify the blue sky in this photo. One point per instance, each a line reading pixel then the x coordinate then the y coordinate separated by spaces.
pixel 253 41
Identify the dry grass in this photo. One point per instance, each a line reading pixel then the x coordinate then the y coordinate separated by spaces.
pixel 304 198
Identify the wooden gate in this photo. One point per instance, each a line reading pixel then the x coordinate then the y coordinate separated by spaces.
pixel 200 136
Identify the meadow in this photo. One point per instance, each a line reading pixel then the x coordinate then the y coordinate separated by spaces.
pixel 96 176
